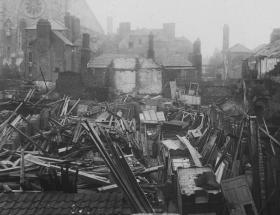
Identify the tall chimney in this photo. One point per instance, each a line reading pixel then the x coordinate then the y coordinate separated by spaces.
pixel 44 34
pixel 85 52
pixel 76 28
pixel 68 25
pixel 225 38
pixel 151 51
pixel 197 57
pixel 109 25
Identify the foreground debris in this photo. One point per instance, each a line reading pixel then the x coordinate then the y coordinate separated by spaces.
pixel 164 157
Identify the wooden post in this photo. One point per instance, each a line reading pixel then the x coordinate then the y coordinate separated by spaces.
pixel 253 148
pixel 22 175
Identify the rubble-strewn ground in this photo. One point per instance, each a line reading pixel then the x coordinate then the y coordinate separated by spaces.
pixel 136 154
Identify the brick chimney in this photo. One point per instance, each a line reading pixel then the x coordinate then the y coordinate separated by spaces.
pixel 76 28
pixel 197 57
pixel 68 25
pixel 151 51
pixel 44 34
pixel 85 52
pixel 225 38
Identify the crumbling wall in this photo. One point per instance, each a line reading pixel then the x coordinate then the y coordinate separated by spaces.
pixel 125 81
pixel 149 81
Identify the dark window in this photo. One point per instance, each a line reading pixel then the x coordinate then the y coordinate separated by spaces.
pixel 30 57
pixel 140 41
pixel 130 45
pixel 8 51
pixel 56 70
pixel 249 209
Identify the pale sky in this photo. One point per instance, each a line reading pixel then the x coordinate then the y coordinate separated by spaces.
pixel 250 21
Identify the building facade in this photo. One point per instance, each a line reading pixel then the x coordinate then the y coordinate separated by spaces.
pixel 18 30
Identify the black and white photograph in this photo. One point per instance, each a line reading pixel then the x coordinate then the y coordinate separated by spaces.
pixel 139 107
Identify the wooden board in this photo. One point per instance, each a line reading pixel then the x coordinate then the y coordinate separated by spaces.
pixel 237 193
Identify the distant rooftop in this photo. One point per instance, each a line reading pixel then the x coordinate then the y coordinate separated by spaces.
pixel 55 25
pixel 173 61
pixel 269 50
pixel 239 48
pixel 105 60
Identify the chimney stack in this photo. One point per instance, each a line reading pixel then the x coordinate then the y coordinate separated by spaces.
pixel 225 38
pixel 197 57
pixel 76 28
pixel 151 51
pixel 85 52
pixel 44 34
pixel 68 25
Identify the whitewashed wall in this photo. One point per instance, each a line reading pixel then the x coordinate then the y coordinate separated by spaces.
pixel 149 81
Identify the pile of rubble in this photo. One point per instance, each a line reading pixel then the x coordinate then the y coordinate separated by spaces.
pixel 164 156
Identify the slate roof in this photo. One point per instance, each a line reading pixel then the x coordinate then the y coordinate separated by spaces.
pixel 83 11
pixel 55 25
pixel 55 203
pixel 64 39
pixel 175 60
pixel 126 63
pixel 239 48
pixel 148 64
pixel 270 50
pixel 259 47
pixel 103 61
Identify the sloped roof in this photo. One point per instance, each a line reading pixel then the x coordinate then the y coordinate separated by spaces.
pixel 55 25
pixel 128 63
pixel 82 10
pixel 57 203
pixel 64 39
pixel 148 64
pixel 173 61
pixel 105 60
pixel 121 60
pixel 269 50
pixel 239 48
pixel 259 47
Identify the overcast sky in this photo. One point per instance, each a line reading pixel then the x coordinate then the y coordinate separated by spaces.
pixel 250 21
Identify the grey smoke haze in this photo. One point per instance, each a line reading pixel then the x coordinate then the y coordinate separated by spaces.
pixel 250 21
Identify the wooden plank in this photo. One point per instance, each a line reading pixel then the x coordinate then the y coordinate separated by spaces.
pixel 37 161
pixel 153 115
pixel 28 138
pixel 237 193
pixel 271 137
pixel 161 117
pixel 147 116
pixel 194 153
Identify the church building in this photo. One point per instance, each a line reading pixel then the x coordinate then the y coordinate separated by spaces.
pixel 40 38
